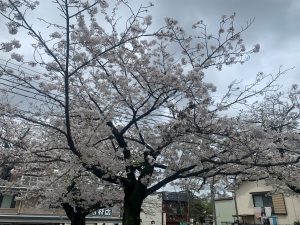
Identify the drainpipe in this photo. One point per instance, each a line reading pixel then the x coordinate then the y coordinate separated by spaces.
pixel 235 204
pixel 19 208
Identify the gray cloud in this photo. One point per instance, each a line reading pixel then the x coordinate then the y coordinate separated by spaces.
pixel 276 28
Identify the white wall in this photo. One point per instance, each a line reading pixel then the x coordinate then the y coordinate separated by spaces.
pixel 224 210
pixel 152 210
pixel 245 202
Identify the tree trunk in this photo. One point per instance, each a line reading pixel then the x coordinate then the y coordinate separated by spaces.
pixel 133 200
pixel 77 220
pixel 76 216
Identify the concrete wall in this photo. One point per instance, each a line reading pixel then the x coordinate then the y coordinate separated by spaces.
pixel 152 210
pixel 224 210
pixel 245 202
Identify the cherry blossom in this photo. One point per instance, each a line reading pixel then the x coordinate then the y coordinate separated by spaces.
pixel 111 106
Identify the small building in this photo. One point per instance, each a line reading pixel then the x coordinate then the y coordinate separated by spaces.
pixel 14 212
pixel 257 203
pixel 19 212
pixel 175 208
pixel 225 209
pixel 152 210
pixel 166 208
pixel 254 198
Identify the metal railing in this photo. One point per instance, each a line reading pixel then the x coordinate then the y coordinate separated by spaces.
pixel 241 223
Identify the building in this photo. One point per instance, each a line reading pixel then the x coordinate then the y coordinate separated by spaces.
pixel 14 211
pixel 252 196
pixel 175 208
pixel 225 208
pixel 152 210
pixel 166 208
pixel 256 203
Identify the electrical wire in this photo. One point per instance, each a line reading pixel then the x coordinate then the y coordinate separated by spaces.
pixel 24 90
pixel 21 89
pixel 4 68
pixel 20 66
pixel 22 85
pixel 26 96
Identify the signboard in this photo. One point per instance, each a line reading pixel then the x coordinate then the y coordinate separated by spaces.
pixel 102 212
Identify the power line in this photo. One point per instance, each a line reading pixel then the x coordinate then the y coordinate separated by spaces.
pixel 14 82
pixel 21 89
pixel 4 66
pixel 26 96
pixel 57 95
pixel 20 66
pixel 22 85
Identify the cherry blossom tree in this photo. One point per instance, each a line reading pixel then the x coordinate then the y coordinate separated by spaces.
pixel 130 105
pixel 273 123
pixel 46 177
pixel 277 117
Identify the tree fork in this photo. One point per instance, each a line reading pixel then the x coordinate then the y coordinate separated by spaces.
pixel 75 215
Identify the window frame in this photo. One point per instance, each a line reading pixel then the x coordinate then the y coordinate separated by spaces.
pixel 30 182
pixel 264 197
pixel 12 203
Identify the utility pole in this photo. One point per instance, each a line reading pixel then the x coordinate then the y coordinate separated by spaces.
pixel 212 199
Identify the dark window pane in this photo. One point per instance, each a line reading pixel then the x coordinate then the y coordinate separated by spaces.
pixel 267 200
pixel 258 201
pixel 7 201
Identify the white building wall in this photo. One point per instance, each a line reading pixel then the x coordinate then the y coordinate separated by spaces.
pixel 224 211
pixel 152 210
pixel 293 208
pixel 245 202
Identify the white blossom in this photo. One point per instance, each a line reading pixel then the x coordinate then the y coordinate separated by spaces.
pixel 256 48
pixel 103 3
pixel 148 20
pixel 17 57
pixel 108 111
pixel 56 35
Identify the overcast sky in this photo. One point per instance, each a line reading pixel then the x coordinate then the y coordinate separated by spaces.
pixel 276 28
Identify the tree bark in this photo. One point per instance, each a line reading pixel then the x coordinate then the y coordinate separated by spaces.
pixel 133 200
pixel 75 216
pixel 77 220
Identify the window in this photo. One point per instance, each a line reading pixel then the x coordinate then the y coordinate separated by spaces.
pixel 7 201
pixel 276 202
pixel 262 200
pixel 29 181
